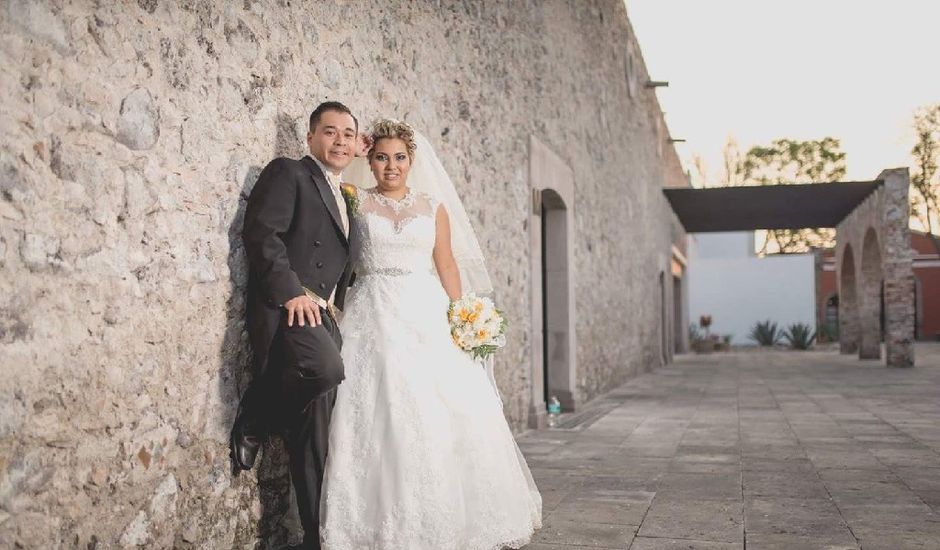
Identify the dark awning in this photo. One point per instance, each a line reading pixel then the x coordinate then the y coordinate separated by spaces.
pixel 767 206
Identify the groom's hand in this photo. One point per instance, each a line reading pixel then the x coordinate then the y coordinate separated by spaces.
pixel 304 309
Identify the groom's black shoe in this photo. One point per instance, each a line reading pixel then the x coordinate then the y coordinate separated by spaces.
pixel 246 437
pixel 245 447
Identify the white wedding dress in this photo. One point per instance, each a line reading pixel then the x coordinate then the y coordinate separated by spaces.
pixel 420 455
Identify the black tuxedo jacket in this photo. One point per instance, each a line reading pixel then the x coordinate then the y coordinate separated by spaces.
pixel 293 236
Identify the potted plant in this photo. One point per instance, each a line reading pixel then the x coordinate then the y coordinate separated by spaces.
pixel 706 322
pixel 702 342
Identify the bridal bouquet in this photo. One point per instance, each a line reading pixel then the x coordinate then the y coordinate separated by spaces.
pixel 476 325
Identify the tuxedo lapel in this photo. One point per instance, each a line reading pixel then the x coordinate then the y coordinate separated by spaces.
pixel 326 193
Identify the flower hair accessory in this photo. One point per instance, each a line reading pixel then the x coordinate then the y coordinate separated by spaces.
pixel 363 144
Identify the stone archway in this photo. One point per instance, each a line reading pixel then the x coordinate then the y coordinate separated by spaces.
pixel 551 237
pixel 870 298
pixel 848 304
pixel 877 230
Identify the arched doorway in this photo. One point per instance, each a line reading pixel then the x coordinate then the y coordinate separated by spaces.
pixel 871 305
pixel 831 317
pixel 551 237
pixel 848 303
pixel 556 349
pixel 663 319
pixel 678 326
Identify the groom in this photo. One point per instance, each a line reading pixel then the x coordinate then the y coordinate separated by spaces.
pixel 299 242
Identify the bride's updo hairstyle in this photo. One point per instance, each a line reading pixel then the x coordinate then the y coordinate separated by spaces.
pixel 393 129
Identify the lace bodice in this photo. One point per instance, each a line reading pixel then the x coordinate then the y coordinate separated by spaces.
pixel 397 235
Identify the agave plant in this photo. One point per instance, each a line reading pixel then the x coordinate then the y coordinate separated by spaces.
pixel 765 333
pixel 800 335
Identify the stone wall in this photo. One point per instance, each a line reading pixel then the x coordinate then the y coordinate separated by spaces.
pixel 132 133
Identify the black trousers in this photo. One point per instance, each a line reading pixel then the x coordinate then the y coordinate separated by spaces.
pixel 307 372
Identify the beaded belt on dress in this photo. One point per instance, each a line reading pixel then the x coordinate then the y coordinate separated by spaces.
pixel 394 271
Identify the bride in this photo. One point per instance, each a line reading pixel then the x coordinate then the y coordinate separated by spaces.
pixel 421 457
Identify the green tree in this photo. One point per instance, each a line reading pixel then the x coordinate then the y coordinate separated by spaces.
pixel 925 198
pixel 787 161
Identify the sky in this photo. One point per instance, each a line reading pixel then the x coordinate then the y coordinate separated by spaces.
pixel 758 70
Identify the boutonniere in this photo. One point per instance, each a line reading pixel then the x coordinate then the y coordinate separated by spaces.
pixel 351 196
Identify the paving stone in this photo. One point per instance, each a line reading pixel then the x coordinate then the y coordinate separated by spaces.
pixel 648 543
pixel 700 486
pixel 776 465
pixel 899 518
pixel 925 482
pixel 847 474
pixel 765 541
pixel 887 540
pixel 608 507
pixel 871 492
pixel 710 458
pixel 793 516
pixel 773 451
pixel 703 467
pixel 642 448
pixel 605 484
pixel 787 484
pixel 906 457
pixel 844 459
pixel 546 546
pixel 709 520
pixel 593 535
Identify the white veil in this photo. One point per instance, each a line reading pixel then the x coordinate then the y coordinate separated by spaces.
pixel 427 175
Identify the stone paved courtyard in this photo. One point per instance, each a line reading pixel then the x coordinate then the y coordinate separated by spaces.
pixel 757 450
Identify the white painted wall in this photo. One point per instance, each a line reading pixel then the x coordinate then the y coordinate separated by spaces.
pixel 738 288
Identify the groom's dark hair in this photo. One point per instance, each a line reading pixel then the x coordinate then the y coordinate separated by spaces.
pixel 330 106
